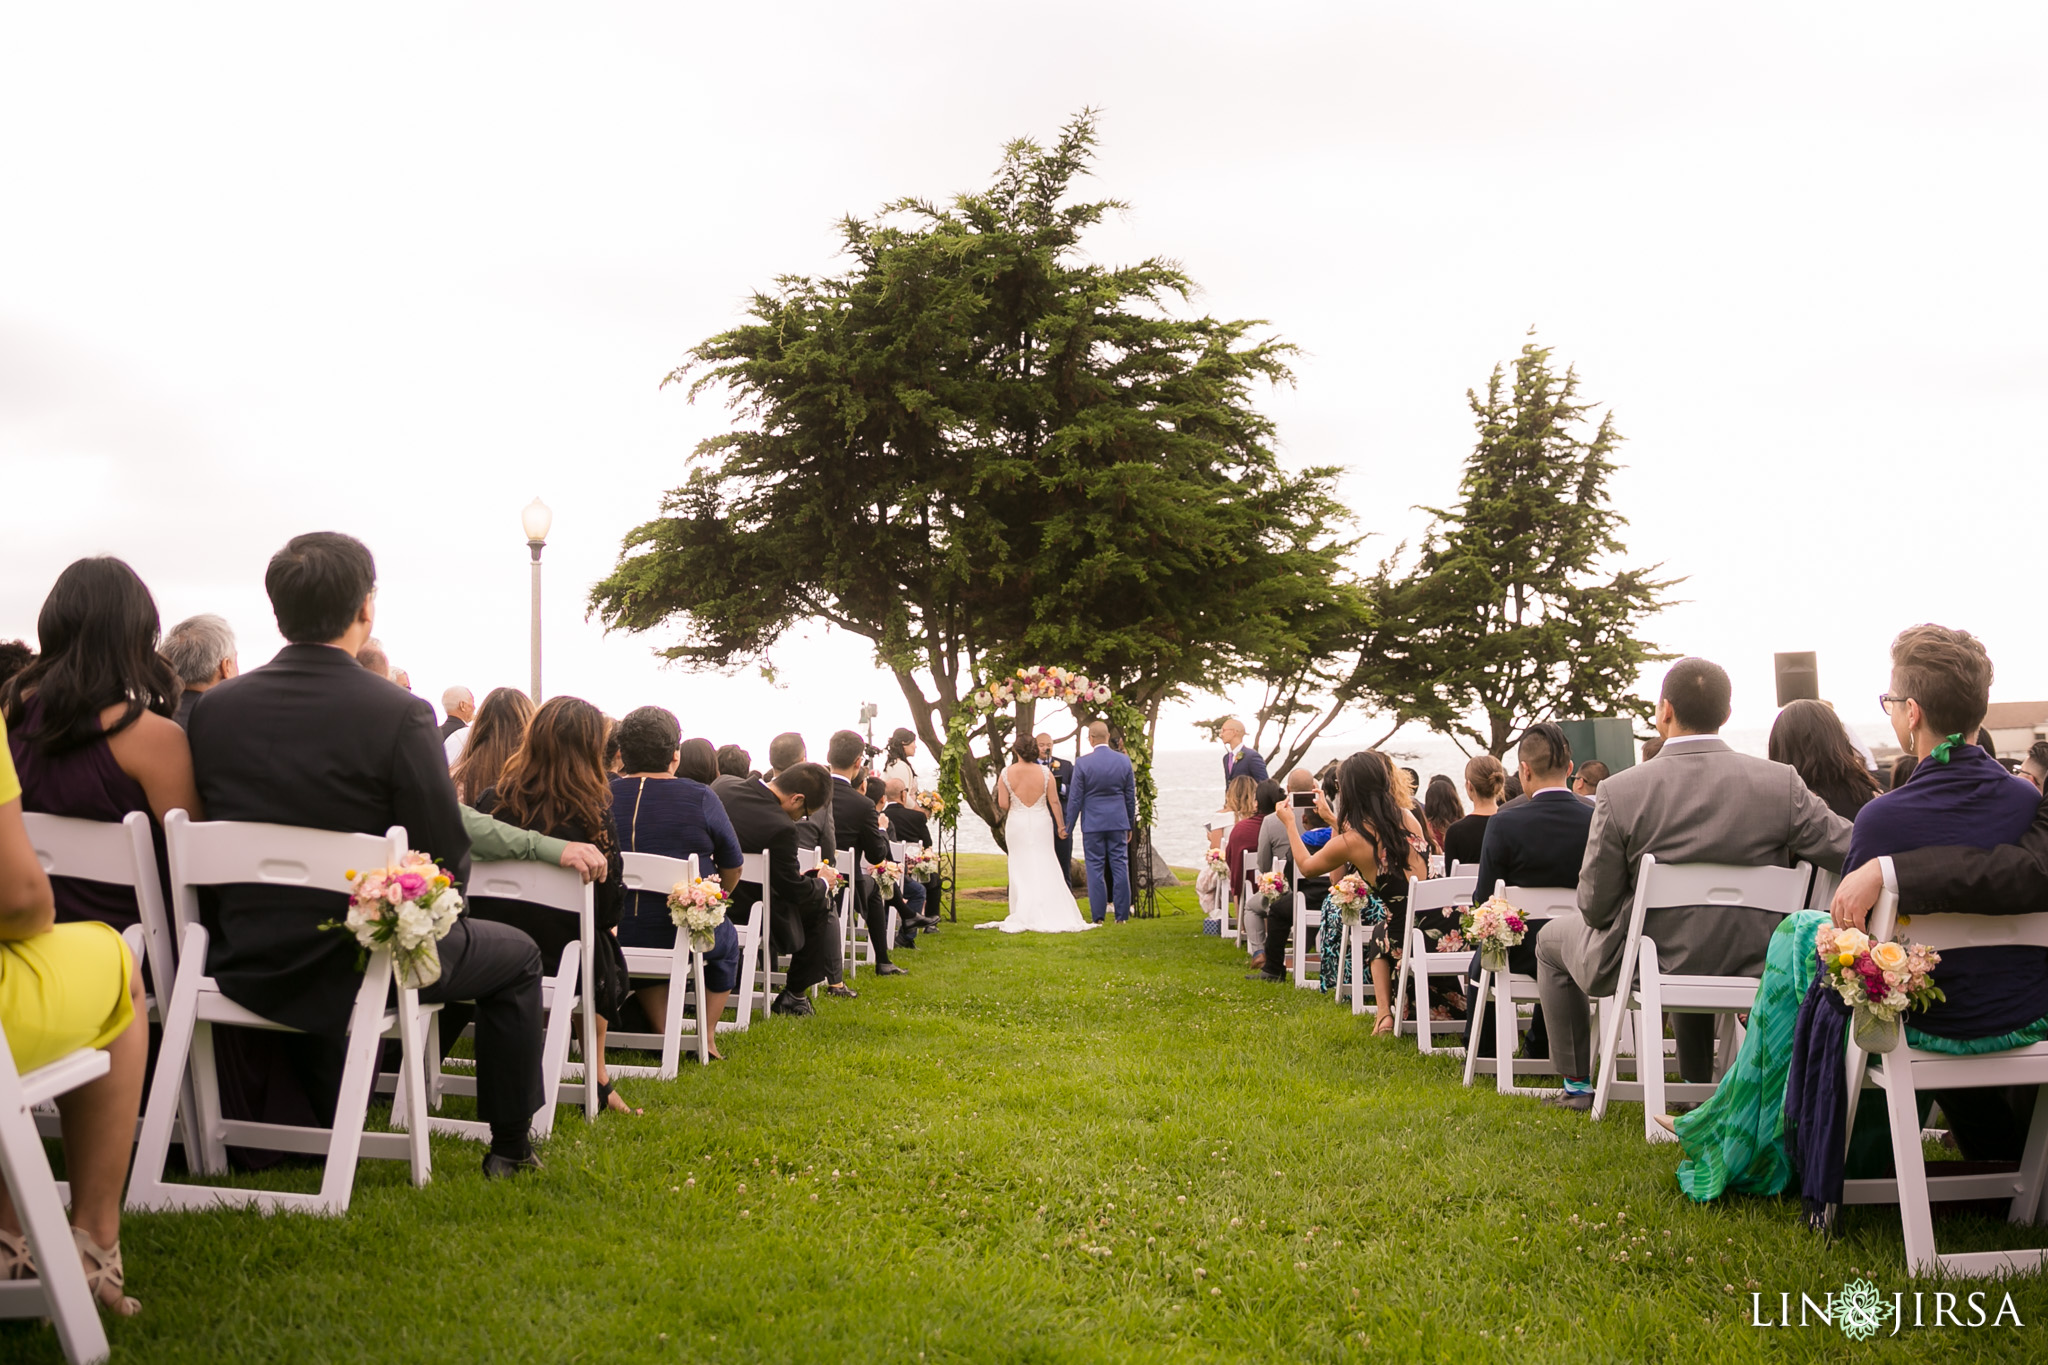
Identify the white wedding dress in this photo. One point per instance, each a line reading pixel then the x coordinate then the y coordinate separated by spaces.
pixel 1040 902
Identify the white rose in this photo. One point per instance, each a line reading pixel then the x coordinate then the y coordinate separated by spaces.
pixel 415 924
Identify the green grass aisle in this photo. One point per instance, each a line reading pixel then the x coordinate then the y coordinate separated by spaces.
pixel 1107 1146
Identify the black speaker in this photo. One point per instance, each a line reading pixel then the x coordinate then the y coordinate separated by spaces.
pixel 1798 677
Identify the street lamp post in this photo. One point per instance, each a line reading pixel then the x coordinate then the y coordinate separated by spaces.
pixel 536 518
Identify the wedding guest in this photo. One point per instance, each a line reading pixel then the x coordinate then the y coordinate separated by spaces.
pixel 907 823
pixel 657 809
pixel 910 895
pixel 1240 852
pixel 1996 998
pixel 90 725
pixel 1371 836
pixel 1440 810
pixel 1274 853
pixel 15 655
pixel 1240 803
pixel 490 742
pixel 1698 802
pixel 902 748
pixel 459 706
pixel 1239 758
pixel 1540 843
pixel 373 658
pixel 201 651
pixel 1812 739
pixel 734 765
pixel 1513 792
pixel 816 830
pixel 764 817
pixel 1652 746
pixel 1062 773
pixel 1591 774
pixel 859 828
pixel 695 759
pixel 313 710
pixel 64 987
pixel 2034 767
pixel 1902 769
pixel 1486 783
pixel 555 784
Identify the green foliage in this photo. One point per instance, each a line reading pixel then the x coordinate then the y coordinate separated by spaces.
pixel 977 448
pixel 1513 613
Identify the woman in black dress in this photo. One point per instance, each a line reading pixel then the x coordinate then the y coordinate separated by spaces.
pixel 1486 783
pixel 555 783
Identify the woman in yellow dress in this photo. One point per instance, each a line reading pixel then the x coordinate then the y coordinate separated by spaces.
pixel 64 987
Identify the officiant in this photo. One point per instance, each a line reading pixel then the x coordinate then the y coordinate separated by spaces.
pixel 1062 773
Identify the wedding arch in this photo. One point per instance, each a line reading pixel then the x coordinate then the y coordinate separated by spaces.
pixel 980 713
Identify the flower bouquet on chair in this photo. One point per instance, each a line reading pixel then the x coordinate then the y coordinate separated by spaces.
pixel 922 867
pixel 1270 887
pixel 1878 981
pixel 408 909
pixel 1493 927
pixel 831 876
pixel 888 876
pixel 698 908
pixel 1356 900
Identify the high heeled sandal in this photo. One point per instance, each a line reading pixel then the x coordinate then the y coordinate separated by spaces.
pixel 605 1091
pixel 103 1274
pixel 16 1262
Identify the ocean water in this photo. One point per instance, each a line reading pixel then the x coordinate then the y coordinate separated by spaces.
pixel 1190 785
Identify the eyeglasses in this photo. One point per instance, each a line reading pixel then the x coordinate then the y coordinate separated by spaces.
pixel 1885 701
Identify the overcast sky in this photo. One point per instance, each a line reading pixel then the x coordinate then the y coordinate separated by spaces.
pixel 396 270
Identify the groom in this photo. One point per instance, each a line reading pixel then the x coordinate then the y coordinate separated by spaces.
pixel 1104 803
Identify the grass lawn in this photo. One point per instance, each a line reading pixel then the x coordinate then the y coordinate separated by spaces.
pixel 1100 1147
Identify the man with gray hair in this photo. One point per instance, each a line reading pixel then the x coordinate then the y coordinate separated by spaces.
pixel 461 708
pixel 201 651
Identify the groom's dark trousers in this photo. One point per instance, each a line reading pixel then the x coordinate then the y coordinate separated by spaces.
pixel 1107 852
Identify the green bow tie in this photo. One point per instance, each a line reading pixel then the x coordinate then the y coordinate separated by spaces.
pixel 1942 751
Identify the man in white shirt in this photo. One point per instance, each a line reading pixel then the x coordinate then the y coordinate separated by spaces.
pixel 461 709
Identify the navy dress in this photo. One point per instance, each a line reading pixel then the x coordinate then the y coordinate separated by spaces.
pixel 675 817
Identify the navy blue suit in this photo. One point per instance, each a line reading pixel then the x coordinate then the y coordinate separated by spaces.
pixel 1246 764
pixel 1538 842
pixel 1103 801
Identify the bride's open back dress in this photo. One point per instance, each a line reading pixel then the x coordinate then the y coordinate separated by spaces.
pixel 1040 902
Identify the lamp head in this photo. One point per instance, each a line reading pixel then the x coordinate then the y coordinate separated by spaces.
pixel 536 518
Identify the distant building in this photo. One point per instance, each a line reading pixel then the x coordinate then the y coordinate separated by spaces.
pixel 2015 725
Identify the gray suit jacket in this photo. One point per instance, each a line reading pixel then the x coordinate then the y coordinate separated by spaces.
pixel 1698 802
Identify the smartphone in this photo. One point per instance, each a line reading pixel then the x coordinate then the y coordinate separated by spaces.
pixel 1302 800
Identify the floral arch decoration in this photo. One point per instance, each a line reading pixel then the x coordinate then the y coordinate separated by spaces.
pixel 1086 697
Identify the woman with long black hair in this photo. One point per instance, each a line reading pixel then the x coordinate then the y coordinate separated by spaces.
pixel 1370 834
pixel 89 722
pixel 896 763
pixel 1810 737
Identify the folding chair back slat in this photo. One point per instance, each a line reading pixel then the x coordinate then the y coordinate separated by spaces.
pixel 757 954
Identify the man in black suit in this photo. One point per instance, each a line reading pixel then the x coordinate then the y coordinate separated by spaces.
pixel 460 704
pixel 859 827
pixel 313 739
pixel 907 824
pixel 1062 773
pixel 1540 842
pixel 764 818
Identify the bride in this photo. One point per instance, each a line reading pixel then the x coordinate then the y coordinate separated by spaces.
pixel 1039 899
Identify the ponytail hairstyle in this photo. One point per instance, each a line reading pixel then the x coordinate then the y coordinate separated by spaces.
pixel 899 745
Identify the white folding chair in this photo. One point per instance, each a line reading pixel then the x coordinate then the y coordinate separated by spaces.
pixel 1232 925
pixel 569 993
pixel 1645 989
pixel 60 1291
pixel 122 854
pixel 1248 892
pixel 1419 962
pixel 757 958
pixel 1307 939
pixel 852 928
pixel 1903 1073
pixel 227 853
pixel 1510 990
pixel 681 966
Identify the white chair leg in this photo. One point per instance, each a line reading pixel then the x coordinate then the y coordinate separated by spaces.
pixel 1607 1056
pixel 1480 993
pixel 672 1021
pixel 555 1046
pixel 2027 1201
pixel 412 1084
pixel 1650 1049
pixel 1915 1215
pixel 706 1026
pixel 48 1230
pixel 205 1077
pixel 174 1053
pixel 1507 1030
pixel 1403 971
